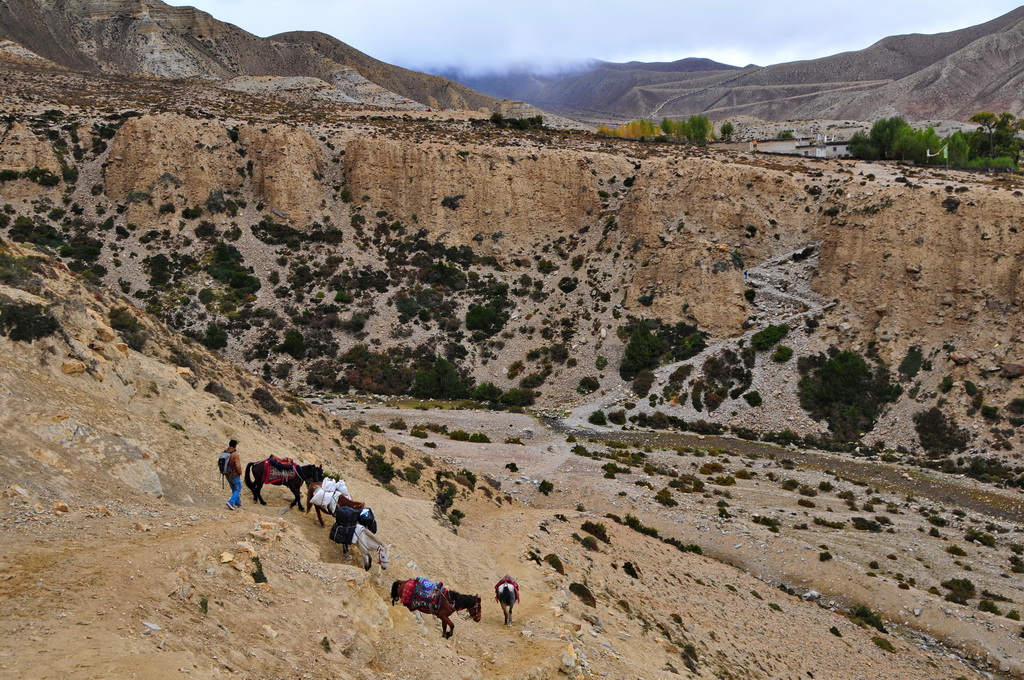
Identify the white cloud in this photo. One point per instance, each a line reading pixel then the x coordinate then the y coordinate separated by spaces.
pixel 481 34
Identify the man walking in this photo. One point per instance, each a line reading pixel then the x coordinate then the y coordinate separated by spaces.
pixel 234 475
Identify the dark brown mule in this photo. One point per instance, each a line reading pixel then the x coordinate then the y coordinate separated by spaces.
pixel 294 479
pixel 450 603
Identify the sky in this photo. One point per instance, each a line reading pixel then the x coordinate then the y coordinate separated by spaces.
pixel 480 36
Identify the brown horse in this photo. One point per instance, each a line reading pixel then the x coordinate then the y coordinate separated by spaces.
pixel 343 500
pixel 449 603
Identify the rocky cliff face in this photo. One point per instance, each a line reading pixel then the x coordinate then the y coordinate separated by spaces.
pixel 386 233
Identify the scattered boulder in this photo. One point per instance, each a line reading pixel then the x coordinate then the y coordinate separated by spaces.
pixel 1012 370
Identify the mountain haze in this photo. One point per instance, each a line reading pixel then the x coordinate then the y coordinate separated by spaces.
pixel 948 75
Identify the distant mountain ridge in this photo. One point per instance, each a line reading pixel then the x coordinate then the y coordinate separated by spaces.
pixel 149 37
pixel 947 75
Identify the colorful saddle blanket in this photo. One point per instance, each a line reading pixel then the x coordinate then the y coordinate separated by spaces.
pixel 421 594
pixel 507 580
pixel 273 473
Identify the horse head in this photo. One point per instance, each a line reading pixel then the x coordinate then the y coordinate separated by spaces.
pixel 475 609
pixel 384 555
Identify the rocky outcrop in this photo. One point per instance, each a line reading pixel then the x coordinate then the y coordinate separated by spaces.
pixel 171 158
pixel 21 150
pixel 474 189
pixel 287 170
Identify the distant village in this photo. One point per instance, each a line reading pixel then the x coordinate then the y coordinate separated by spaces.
pixel 819 146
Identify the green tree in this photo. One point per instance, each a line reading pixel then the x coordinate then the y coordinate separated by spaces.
pixel 440 381
pixel 726 130
pixel 486 391
pixel 698 129
pixel 215 337
pixel 987 121
pixel 862 147
pixel 484 318
pixel 641 353
pixel 847 393
pixel 294 344
pixel 884 134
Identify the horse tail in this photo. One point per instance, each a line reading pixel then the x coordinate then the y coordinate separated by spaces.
pixel 396 591
pixel 249 483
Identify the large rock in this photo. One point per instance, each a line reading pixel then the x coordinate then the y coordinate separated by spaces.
pixel 1012 370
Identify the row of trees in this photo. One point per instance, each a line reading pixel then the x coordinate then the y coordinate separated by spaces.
pixel 695 130
pixel 995 144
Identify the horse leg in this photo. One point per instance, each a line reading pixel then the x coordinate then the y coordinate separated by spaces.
pixel 447 627
pixel 507 611
pixel 296 490
pixel 319 518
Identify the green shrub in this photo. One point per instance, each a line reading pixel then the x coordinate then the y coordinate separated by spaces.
pixel 846 392
pixel 294 344
pixel 764 339
pixel 484 318
pixel 770 522
pixel 665 498
pixel 862 614
pixel 884 644
pixel 546 487
pixel 635 524
pixel 642 383
pixel 380 468
pixel 555 563
pixel 642 352
pixel 441 381
pixel 265 399
pixel 598 529
pixel 866 524
pixel 26 322
pixel 597 418
pixel 912 362
pixel 939 435
pixel 960 590
pixel 989 606
pixel 588 384
pixel 975 536
pixel 215 337
pixel 412 474
pixel 782 354
pixel 753 398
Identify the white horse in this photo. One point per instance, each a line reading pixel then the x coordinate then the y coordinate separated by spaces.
pixel 370 545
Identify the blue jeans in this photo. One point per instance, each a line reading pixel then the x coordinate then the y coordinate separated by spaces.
pixel 236 491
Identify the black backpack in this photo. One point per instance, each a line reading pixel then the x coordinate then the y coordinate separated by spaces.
pixel 223 462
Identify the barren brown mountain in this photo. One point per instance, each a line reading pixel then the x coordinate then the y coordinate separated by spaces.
pixel 944 76
pixel 129 37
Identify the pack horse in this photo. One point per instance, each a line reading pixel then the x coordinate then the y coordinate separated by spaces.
pixel 280 471
pixel 431 597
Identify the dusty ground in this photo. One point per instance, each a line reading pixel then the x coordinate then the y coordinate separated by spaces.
pixel 906 555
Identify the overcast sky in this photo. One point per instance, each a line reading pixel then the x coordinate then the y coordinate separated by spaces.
pixel 479 34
